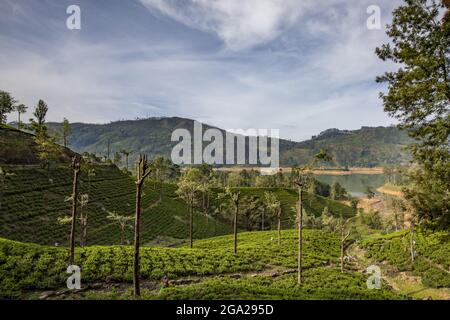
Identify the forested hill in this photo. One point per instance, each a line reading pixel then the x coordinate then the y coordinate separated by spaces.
pixel 366 147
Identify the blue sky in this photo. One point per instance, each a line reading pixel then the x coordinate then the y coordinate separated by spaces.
pixel 301 66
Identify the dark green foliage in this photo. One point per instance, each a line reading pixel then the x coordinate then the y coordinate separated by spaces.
pixel 419 96
pixel 7 105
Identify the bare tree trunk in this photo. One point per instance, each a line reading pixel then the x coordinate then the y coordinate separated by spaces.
pixel 300 233
pixel 81 226
pixel 76 174
pixel 191 222
pixel 342 250
pixel 85 228
pixel 262 220
pixel 122 233
pixel 236 210
pixel 141 175
pixel 137 224
pixel 412 242
pixel 279 230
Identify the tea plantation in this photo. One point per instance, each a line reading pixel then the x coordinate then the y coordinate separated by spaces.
pixel 33 199
pixel 211 267
pixel 432 258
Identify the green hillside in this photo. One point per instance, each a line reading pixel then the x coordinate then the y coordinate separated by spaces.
pixel 34 198
pixel 261 270
pixel 366 147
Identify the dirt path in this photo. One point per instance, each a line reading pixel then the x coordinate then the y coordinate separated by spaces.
pixel 155 285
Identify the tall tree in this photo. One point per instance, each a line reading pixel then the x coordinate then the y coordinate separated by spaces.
pixel 300 185
pixel 7 105
pixel 188 187
pixel 40 113
pixel 126 153
pixel 273 206
pixel 143 171
pixel 20 109
pixel 66 131
pixel 162 169
pixel 342 227
pixel 419 97
pixel 234 198
pixel 76 167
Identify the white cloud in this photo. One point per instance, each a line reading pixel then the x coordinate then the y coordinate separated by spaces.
pixel 239 24
pixel 314 67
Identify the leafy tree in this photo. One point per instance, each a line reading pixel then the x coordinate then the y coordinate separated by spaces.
pixel 7 105
pixel 20 109
pixel 162 167
pixel 251 209
pixel 47 149
pixel 323 156
pixel 234 198
pixel 188 188
pixel 38 124
pixel 274 208
pixel 419 97
pixel 122 221
pixel 66 131
pixel 126 153
pixel 206 172
pixel 342 227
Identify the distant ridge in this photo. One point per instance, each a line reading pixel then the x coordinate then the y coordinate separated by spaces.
pixel 366 147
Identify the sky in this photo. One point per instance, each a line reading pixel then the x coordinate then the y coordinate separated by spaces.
pixel 300 66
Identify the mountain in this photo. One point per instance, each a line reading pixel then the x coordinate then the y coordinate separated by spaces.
pixel 366 147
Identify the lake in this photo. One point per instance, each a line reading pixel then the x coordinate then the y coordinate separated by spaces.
pixel 355 184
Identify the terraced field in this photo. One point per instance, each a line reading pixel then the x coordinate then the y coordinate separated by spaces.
pixel 34 198
pixel 261 270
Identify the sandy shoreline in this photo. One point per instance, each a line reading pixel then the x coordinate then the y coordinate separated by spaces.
pixel 336 172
